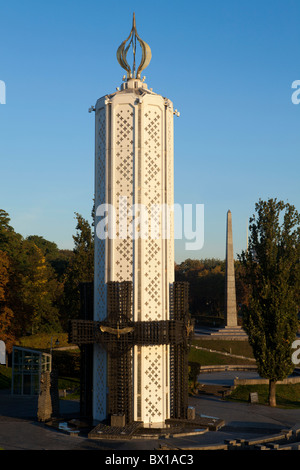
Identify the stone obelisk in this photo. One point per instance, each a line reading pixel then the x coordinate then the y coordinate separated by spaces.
pixel 230 292
pixel 231 329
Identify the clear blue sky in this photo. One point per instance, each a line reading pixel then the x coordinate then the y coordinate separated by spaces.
pixel 227 66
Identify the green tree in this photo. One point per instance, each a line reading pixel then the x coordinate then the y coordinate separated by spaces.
pixel 49 249
pixel 271 269
pixel 9 239
pixel 83 261
pixel 58 259
pixel 61 262
pixel 5 228
pixel 80 269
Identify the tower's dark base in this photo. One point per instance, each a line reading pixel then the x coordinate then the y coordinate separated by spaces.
pixel 118 334
pixel 172 428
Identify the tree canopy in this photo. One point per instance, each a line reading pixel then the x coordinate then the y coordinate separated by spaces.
pixel 272 272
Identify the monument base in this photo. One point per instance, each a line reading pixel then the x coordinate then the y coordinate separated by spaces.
pixel 225 332
pixel 194 424
pixel 170 428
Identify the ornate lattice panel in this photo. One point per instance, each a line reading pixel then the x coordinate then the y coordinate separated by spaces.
pixel 100 198
pixel 153 196
pixel 122 186
pixel 153 366
pixel 100 356
pixel 154 359
pixel 169 169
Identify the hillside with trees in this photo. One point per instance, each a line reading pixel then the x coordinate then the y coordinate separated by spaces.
pixel 39 282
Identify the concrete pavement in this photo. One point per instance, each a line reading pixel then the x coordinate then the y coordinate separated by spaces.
pixel 20 430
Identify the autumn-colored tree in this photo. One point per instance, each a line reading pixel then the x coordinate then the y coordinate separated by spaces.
pixel 10 244
pixel 40 291
pixel 32 290
pixel 49 249
pixel 6 314
pixel 35 271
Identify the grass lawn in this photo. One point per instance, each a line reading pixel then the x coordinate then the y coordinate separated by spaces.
pixel 287 396
pixel 240 348
pixel 71 385
pixel 42 342
pixel 207 358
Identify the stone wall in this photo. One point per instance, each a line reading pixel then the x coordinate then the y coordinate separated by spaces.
pixel 289 380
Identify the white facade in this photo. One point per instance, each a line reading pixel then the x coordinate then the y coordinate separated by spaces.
pixel 134 160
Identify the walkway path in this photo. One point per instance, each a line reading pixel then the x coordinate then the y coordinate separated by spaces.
pixel 19 428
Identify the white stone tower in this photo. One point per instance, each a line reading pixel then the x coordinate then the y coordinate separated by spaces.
pixel 134 172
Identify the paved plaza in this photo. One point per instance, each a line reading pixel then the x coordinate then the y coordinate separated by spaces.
pixel 20 430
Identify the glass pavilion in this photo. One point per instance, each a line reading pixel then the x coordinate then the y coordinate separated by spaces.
pixel 27 366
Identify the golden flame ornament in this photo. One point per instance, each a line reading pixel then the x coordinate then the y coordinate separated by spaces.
pixel 133 72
